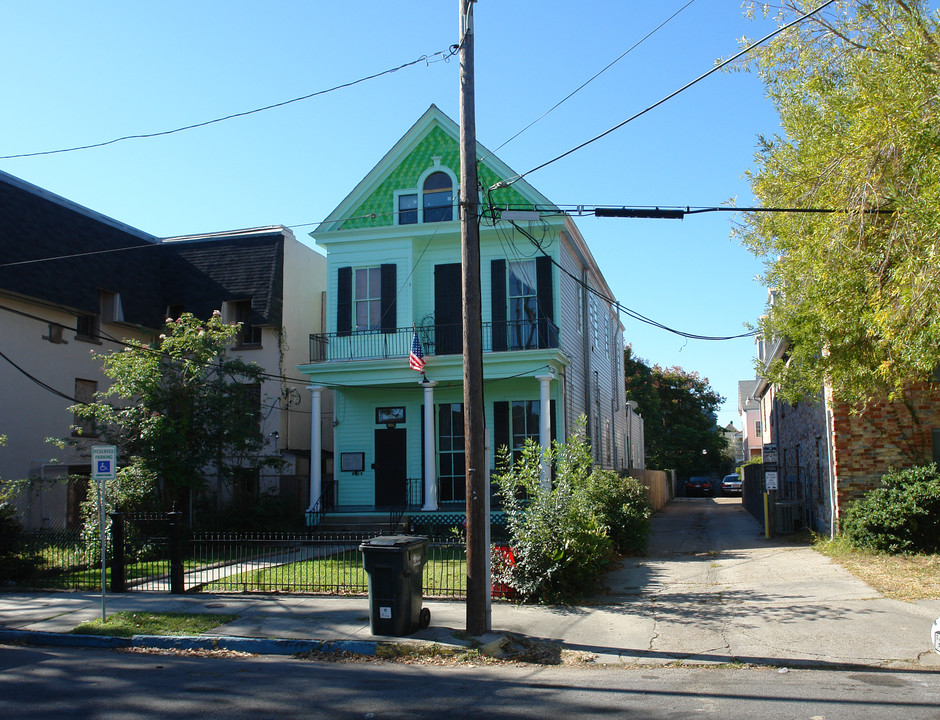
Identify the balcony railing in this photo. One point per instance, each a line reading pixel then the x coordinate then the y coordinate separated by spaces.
pixel 435 340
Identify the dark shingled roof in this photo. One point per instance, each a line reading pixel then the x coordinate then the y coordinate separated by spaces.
pixel 201 274
pixel 198 273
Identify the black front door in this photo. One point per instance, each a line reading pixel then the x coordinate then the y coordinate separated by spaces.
pixel 390 467
pixel 448 309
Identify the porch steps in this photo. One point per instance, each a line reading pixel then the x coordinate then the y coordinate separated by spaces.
pixel 347 522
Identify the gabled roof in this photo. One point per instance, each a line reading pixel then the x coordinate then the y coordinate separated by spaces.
pixel 434 135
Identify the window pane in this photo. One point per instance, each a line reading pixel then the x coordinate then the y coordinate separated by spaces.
pixel 362 284
pixel 407 209
pixel 438 181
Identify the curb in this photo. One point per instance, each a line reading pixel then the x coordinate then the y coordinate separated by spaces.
pixel 256 646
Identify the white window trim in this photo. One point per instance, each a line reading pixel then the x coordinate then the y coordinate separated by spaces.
pixel 419 191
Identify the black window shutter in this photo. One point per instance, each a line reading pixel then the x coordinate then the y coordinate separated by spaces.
pixel 498 301
pixel 546 301
pixel 389 299
pixel 501 427
pixel 344 301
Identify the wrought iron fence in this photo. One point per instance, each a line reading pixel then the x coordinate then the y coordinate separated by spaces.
pixel 314 563
pixel 57 559
pixel 227 562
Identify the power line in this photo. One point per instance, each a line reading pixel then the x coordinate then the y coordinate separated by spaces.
pixel 719 66
pixel 628 311
pixel 442 54
pixel 596 75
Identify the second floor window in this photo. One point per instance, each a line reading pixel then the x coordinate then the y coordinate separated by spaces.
pixel 523 305
pixel 368 298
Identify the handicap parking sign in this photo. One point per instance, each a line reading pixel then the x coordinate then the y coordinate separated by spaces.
pixel 103 461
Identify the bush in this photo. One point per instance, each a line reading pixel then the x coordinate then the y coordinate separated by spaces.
pixel 14 565
pixel 623 506
pixel 562 538
pixel 901 516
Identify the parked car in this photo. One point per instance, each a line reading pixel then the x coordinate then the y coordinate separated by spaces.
pixel 935 635
pixel 698 486
pixel 731 485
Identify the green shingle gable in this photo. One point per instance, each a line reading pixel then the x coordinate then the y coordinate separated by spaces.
pixel 378 210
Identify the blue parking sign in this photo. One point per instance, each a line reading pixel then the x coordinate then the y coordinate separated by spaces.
pixel 103 462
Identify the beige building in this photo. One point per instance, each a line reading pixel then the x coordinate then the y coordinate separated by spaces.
pixel 74 283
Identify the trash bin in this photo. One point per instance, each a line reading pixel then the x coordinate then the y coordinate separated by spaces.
pixel 395 564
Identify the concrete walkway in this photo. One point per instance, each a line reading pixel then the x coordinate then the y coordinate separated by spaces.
pixel 712 590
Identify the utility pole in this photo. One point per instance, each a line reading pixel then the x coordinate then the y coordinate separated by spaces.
pixel 476 482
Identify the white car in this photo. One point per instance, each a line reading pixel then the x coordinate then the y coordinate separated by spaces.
pixel 935 635
pixel 731 484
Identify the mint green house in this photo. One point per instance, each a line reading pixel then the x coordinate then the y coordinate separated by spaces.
pixel 552 343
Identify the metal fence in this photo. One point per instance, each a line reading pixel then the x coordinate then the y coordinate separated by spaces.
pixel 313 563
pixel 328 564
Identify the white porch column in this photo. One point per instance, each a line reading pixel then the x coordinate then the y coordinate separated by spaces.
pixel 430 466
pixel 316 449
pixel 545 428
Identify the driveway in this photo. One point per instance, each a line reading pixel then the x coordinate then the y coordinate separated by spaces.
pixel 713 589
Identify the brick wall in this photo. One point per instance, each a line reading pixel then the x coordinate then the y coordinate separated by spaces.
pixel 886 435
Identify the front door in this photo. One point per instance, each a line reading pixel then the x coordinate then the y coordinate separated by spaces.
pixel 390 467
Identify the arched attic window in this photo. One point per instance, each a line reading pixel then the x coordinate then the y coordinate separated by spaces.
pixel 438 198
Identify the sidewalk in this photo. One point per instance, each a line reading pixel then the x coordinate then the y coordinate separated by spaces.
pixel 711 591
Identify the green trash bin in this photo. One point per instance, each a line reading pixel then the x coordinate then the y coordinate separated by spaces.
pixel 395 565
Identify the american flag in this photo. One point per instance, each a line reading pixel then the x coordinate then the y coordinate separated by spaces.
pixel 416 359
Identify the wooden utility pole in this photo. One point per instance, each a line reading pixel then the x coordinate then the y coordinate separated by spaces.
pixel 476 482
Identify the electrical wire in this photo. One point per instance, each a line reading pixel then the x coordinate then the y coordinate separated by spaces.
pixel 41 384
pixel 595 76
pixel 628 311
pixel 719 66
pixel 443 54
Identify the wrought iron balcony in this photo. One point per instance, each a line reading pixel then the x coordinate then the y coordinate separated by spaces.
pixel 435 340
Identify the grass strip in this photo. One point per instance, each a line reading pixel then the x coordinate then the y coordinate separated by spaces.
pixel 127 624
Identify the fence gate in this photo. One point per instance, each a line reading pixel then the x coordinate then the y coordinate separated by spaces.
pixel 146 552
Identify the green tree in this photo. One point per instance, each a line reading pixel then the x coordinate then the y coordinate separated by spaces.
pixel 678 409
pixel 857 290
pixel 184 410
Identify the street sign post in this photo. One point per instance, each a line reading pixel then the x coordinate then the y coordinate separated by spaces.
pixel 103 468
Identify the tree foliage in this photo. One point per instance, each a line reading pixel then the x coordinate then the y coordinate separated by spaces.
pixel 678 409
pixel 183 410
pixel 857 89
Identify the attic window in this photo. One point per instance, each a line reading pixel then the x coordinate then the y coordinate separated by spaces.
pixel 438 198
pixel 110 305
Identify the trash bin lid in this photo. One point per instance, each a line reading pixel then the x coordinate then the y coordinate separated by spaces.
pixel 392 541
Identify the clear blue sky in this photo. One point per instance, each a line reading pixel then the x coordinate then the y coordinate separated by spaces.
pixel 78 73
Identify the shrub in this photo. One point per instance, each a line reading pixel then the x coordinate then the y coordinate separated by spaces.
pixel 623 506
pixel 562 538
pixel 14 564
pixel 901 516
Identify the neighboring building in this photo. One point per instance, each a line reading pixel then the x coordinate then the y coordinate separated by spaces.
pixel 636 438
pixel 829 455
pixel 74 281
pixel 735 440
pixel 751 425
pixel 552 340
